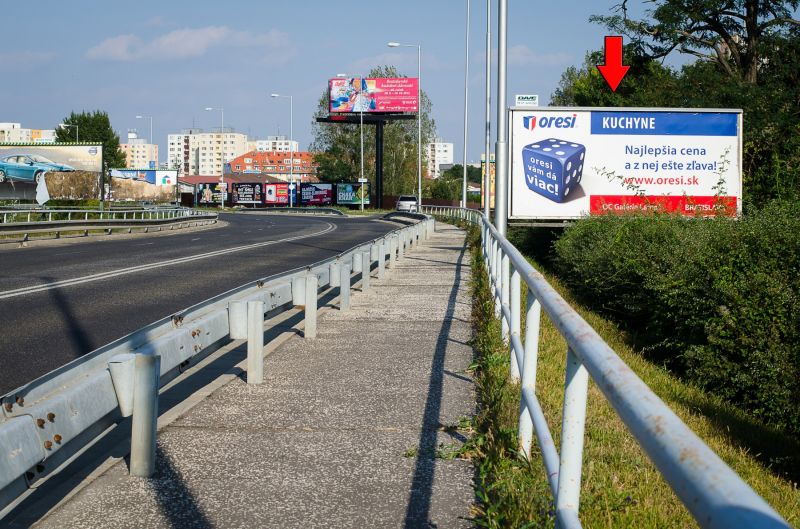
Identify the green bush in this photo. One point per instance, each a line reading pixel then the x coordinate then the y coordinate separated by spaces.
pixel 716 299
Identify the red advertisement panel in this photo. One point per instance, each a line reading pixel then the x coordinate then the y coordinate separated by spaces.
pixel 276 194
pixel 381 94
pixel 685 205
pixel 315 194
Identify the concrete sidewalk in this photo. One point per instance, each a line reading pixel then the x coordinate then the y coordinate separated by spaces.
pixel 351 429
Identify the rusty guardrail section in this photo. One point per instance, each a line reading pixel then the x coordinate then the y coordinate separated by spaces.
pixel 713 493
pixel 50 420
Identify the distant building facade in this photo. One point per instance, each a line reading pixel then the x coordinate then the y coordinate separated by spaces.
pixel 439 152
pixel 195 152
pixel 15 133
pixel 277 144
pixel 138 153
pixel 277 164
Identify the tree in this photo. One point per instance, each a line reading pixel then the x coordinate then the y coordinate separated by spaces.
pixel 730 33
pixel 93 127
pixel 338 146
pixel 457 172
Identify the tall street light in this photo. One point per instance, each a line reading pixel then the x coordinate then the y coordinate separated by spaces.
pixel 487 178
pixel 151 131
pixel 466 99
pixel 501 144
pixel 222 158
pixel 291 146
pixel 65 125
pixel 419 115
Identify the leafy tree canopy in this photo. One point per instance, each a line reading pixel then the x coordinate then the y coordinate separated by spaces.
pixel 93 127
pixel 730 33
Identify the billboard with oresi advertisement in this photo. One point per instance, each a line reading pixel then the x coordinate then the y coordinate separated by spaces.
pixel 570 162
pixel 381 94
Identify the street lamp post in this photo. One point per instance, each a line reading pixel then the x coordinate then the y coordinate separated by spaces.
pixel 419 116
pixel 466 99
pixel 500 144
pixel 291 147
pixel 222 157
pixel 151 131
pixel 487 178
pixel 77 136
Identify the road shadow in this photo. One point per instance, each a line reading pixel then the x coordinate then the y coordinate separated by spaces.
pixel 419 504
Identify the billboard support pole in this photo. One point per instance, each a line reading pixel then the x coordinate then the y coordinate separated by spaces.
pixel 501 146
pixel 379 163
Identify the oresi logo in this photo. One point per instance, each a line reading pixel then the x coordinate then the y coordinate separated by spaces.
pixel 530 122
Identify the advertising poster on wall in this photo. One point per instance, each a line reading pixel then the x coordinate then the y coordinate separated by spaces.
pixel 209 194
pixel 69 171
pixel 568 163
pixel 248 193
pixel 315 194
pixel 382 94
pixel 276 194
pixel 150 176
pixel 351 194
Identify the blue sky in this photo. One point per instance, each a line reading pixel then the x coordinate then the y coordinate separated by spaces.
pixel 172 59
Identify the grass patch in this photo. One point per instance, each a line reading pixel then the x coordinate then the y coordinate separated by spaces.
pixel 620 486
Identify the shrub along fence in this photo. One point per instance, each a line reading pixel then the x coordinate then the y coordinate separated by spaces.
pixel 715 299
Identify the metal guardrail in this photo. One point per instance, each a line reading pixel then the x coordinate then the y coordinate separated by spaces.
pixel 30 216
pixel 712 492
pixel 53 418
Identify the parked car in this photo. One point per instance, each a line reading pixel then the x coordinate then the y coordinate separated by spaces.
pixel 28 167
pixel 406 203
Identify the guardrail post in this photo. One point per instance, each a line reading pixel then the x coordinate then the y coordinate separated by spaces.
pixel 381 260
pixel 572 433
pixel 299 290
pixel 529 363
pixel 496 275
pixel 504 293
pixel 255 342
pixel 356 262
pixel 334 273
pixel 365 271
pixel 237 320
pixel 311 306
pixel 400 245
pixel 515 323
pixel 344 286
pixel 391 241
pixel 147 369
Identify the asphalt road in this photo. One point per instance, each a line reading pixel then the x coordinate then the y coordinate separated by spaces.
pixel 59 302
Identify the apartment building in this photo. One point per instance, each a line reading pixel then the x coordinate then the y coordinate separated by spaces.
pixel 138 153
pixel 194 151
pixel 15 133
pixel 277 164
pixel 277 144
pixel 438 153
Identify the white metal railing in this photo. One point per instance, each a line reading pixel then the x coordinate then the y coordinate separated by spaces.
pixel 712 492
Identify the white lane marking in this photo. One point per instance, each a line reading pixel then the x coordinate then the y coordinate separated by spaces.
pixel 197 239
pixel 141 268
pixel 145 244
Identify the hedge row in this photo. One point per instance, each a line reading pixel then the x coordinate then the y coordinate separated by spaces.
pixel 715 299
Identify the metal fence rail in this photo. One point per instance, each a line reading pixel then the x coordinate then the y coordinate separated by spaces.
pixel 713 493
pixel 29 216
pixel 52 419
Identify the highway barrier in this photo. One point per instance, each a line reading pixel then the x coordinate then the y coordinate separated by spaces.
pixel 53 419
pixel 26 222
pixel 712 492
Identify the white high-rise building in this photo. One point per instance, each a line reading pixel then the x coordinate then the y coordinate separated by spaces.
pixel 438 153
pixel 138 153
pixel 194 152
pixel 276 144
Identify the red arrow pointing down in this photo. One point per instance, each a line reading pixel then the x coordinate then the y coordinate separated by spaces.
pixel 613 71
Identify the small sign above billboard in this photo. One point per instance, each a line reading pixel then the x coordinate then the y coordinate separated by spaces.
pixel 373 95
pixel 526 100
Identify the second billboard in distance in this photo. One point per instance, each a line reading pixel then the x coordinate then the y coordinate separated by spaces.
pixel 382 94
